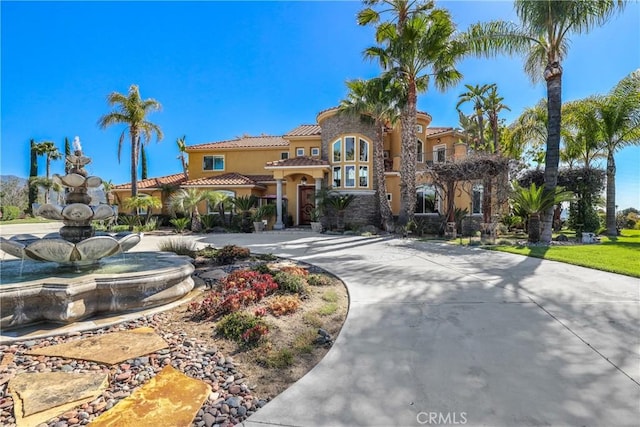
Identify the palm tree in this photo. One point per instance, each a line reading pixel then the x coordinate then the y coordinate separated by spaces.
pixel 493 105
pixel 182 147
pixel 580 132
pixel 131 111
pixel 339 203
pixel 533 201
pixel 477 96
pixel 529 132
pixel 49 150
pixel 418 49
pixel 244 205
pixel 33 173
pixel 543 38
pixel 619 114
pixel 187 201
pixel 377 100
pixel 144 202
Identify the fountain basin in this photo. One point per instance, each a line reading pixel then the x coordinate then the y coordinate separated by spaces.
pixel 46 292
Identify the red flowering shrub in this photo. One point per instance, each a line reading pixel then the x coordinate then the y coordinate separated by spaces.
pixel 255 334
pixel 239 289
pixel 296 271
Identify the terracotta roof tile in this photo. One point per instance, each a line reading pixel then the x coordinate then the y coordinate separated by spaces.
pixel 298 161
pixel 175 179
pixel 232 178
pixel 261 178
pixel 437 130
pixel 244 142
pixel 305 130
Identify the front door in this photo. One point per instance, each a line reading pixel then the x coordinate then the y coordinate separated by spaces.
pixel 307 203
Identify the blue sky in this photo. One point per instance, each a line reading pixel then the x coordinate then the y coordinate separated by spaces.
pixel 224 69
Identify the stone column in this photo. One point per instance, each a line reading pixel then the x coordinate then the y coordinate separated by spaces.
pixel 279 225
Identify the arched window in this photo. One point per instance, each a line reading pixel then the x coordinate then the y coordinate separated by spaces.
pixel 420 151
pixel 364 150
pixel 350 157
pixel 213 209
pixel 336 149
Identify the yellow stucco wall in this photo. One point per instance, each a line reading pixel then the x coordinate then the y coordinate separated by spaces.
pixel 245 161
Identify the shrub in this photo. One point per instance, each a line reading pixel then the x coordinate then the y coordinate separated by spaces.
pixel 208 252
pixel 207 308
pixel 150 225
pixel 129 220
pixel 180 224
pixel 242 327
pixel 262 268
pixel 330 296
pixel 284 304
pixel 280 359
pixel 296 271
pixel 291 283
pixel 243 287
pixel 179 246
pixel 228 254
pixel 304 342
pixel 10 212
pixel 328 309
pixel 209 221
pixel 312 319
pixel 319 280
pixel 266 257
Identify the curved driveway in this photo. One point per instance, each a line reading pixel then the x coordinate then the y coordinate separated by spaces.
pixel 442 335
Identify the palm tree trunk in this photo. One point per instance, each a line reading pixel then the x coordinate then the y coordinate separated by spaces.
pixel 408 158
pixel 534 227
pixel 553 76
pixel 386 216
pixel 611 195
pixel 184 166
pixel 48 172
pixel 196 223
pixel 480 127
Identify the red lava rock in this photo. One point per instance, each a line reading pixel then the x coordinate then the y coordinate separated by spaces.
pixel 125 366
pixel 234 389
pixel 73 420
pixel 69 415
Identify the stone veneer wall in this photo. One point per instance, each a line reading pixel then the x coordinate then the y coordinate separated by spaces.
pixel 364 209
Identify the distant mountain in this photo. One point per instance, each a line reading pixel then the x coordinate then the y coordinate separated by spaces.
pixel 7 178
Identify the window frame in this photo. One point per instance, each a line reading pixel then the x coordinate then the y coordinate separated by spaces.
pixel 419 151
pixel 315 152
pixel 346 176
pixel 355 147
pixel 436 201
pixel 284 155
pixel 213 163
pixel 366 151
pixel 228 193
pixel 338 152
pixel 300 150
pixel 360 169
pixel 333 176
pixel 436 150
pixel 477 189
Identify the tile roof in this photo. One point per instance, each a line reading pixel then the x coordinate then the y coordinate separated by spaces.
pixel 436 130
pixel 298 161
pixel 231 178
pixel 175 179
pixel 243 142
pixel 304 130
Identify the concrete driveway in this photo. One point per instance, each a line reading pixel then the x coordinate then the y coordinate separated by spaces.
pixel 442 335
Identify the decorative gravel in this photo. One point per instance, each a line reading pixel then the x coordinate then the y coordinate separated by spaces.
pixel 230 402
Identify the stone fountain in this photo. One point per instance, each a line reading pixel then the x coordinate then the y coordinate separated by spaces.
pixel 68 276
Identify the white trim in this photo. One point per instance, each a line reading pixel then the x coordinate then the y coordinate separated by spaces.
pixel 284 158
pixel 213 164
pixel 355 176
pixel 333 151
pixel 436 148
pixel 420 154
pixel 419 129
pixel 358 179
pixel 317 151
pixel 344 148
pixel 299 150
pixel 390 197
pixel 368 150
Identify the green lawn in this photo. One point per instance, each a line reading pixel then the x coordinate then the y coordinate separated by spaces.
pixel 27 220
pixel 617 255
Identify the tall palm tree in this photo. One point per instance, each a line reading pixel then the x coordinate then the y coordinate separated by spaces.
pixel 377 100
pixel 132 111
pixel 49 150
pixel 543 38
pixel 182 147
pixel 619 114
pixel 187 201
pixel 477 96
pixel 421 51
pixel 33 173
pixel 493 106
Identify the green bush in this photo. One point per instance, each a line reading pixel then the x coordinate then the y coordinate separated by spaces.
pixel 280 359
pixel 319 280
pixel 208 252
pixel 228 254
pixel 242 327
pixel 328 309
pixel 210 220
pixel 263 269
pixel 180 224
pixel 10 212
pixel 291 283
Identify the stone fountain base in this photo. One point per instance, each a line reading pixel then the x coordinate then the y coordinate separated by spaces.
pixel 35 292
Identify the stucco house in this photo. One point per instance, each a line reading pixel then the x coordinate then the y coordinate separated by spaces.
pixel 334 152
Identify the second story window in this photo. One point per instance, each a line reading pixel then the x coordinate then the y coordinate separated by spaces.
pixel 315 152
pixel 420 151
pixel 213 163
pixel 299 152
pixel 337 151
pixel 439 154
pixel 284 155
pixel 349 149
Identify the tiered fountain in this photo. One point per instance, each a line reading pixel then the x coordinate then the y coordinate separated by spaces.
pixel 72 277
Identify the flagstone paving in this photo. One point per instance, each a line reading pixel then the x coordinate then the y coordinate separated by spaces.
pixel 169 399
pixel 109 348
pixel 38 397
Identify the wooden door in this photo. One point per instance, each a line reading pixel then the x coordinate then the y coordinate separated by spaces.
pixel 307 203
